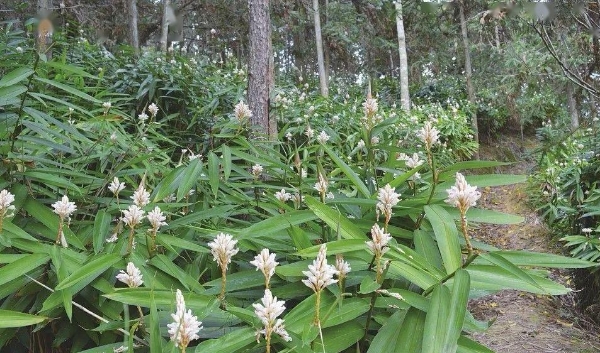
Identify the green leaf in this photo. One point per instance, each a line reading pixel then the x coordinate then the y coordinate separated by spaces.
pixel 493 278
pixel 338 338
pixel 101 228
pixel 226 154
pixel 8 95
pixel 446 235
pixel 334 219
pixel 155 338
pixel 52 181
pixel 275 224
pixel 213 172
pixel 435 331
pixel 335 247
pixel 189 178
pixel 368 285
pixel 350 174
pixel 483 180
pixel 472 165
pixel 15 76
pixel 529 258
pixel 510 267
pixel 230 342
pixel 426 247
pixel 69 89
pixel 10 318
pixel 466 345
pixel 164 299
pixel 479 215
pixel 90 271
pixel 387 337
pixel 458 310
pixel 21 266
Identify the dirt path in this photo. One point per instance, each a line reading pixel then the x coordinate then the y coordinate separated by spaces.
pixel 526 323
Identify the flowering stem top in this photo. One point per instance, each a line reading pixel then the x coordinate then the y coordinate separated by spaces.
pixel 223 248
pixel 462 196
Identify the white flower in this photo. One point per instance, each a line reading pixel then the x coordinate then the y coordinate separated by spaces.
pixel 193 156
pixel 133 276
pixel 141 197
pixel 257 170
pixel 106 106
pixel 142 118
pixel 330 196
pixel 309 132
pixel 116 186
pixel 133 216
pixel 113 238
pixel 320 274
pixel 6 199
pixel 265 262
pixel 429 135
pixel 374 140
pixel 268 313
pixel 321 185
pixel 156 218
pixel 213 31
pixel 361 144
pixel 223 248
pixel 380 241
pixel 242 111
pixel 19 50
pixel 370 106
pixel 153 109
pixel 587 230
pixel 462 195
pixel 185 325
pixel 414 161
pixel 335 119
pixel 303 173
pixel 288 136
pixel 283 196
pixel 64 208
pixel 323 137
pixel 343 267
pixel 387 198
pixel 113 136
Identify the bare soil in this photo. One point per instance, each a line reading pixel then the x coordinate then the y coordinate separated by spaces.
pixel 524 322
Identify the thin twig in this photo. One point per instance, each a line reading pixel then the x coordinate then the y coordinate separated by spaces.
pixel 139 340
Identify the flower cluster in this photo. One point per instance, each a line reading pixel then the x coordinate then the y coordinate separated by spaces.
pixel 133 276
pixel 6 207
pixel 265 262
pixel 387 198
pixel 319 273
pixel 116 186
pixel 223 248
pixel 462 195
pixel 242 111
pixel 321 185
pixel 64 209
pixel 185 325
pixel 141 197
pixel 268 313
pixel 429 135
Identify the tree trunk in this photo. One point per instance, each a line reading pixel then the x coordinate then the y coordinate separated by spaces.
pixel 572 105
pixel 326 46
pixel 258 66
pixel 404 94
pixel 468 70
pixel 45 29
pixel 320 58
pixel 164 33
pixel 133 27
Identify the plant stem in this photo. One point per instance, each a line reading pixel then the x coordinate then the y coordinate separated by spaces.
pixel 468 261
pixel 268 342
pixel 60 229
pixel 463 226
pixel 435 177
pixel 223 283
pixel 130 242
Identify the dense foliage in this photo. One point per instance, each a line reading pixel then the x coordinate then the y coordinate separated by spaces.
pixel 350 180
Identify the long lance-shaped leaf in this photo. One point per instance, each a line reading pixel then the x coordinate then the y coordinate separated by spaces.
pixel 90 271
pixel 350 174
pixel 10 318
pixel 21 266
pixel 434 334
pixel 446 235
pixel 458 310
pixel 334 219
pixel 509 266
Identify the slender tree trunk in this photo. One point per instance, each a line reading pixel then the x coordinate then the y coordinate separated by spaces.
pixel 572 105
pixel 164 32
pixel 258 66
pixel 468 69
pixel 325 46
pixel 133 27
pixel 320 59
pixel 45 29
pixel 404 94
pixel 272 120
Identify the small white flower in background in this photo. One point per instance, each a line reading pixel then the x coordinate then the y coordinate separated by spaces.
pixel 265 262
pixel 374 140
pixel 320 274
pixel 133 276
pixel 153 109
pixel 429 135
pixel 116 186
pixel 390 294
pixel 133 216
pixel 242 111
pixel 309 132
pixel 268 313
pixel 213 31
pixel 169 198
pixel 283 195
pixel 330 196
pixel 387 198
pixel 343 267
pixel 113 238
pixel 6 200
pixel 288 136
pixel 323 137
pixel 414 161
pixel 113 136
pixel 223 248
pixel 142 118
pixel 335 119
pixel 297 199
pixel 370 106
pixel 64 208
pixel 462 195
pixel 587 230
pixel 156 218
pixel 379 244
pixel 71 110
pixel 106 106
pixel 141 197
pixel 361 144
pixel 185 325
pixel 596 119
pixel 321 185
pixel 19 50
pixel 193 156
pixel 257 170
pixel 303 173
